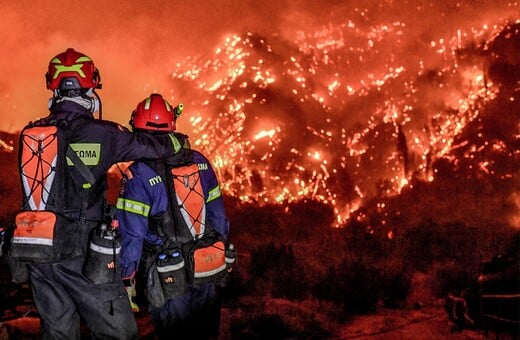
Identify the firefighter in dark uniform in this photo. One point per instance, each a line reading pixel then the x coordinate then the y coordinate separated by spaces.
pixel 62 293
pixel 143 205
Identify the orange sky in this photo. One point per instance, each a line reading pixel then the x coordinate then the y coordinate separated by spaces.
pixel 134 43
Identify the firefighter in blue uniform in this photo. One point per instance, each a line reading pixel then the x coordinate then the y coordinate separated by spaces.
pixel 146 199
pixel 62 293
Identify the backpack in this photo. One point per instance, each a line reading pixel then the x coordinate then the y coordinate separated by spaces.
pixel 206 255
pixel 42 160
pixel 188 205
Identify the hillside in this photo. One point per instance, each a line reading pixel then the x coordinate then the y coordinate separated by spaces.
pixel 356 208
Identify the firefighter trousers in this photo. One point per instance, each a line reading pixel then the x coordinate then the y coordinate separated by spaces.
pixel 62 295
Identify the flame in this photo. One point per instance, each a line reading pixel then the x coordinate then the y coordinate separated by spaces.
pixel 264 133
pixel 5 146
pixel 336 121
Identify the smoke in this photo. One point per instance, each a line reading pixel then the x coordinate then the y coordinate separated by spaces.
pixel 339 101
pixel 136 44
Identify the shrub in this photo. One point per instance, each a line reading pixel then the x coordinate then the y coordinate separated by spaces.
pixel 250 218
pixel 424 245
pixel 269 326
pixel 450 277
pixel 307 219
pixel 396 288
pixel 362 288
pixel 356 286
pixel 277 267
pixel 365 243
pixel 290 283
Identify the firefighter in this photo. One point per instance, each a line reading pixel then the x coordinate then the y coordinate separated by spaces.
pixel 62 293
pixel 148 220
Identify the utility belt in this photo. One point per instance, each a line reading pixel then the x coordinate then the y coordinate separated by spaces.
pixel 176 267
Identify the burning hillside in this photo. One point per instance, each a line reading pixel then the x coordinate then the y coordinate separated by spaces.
pixel 352 111
pixel 336 102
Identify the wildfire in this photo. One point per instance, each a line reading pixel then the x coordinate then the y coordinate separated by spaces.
pixel 344 111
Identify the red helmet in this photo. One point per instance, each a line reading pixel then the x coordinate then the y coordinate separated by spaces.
pixel 72 70
pixel 154 114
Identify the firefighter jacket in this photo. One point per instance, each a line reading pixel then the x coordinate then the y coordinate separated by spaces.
pixel 146 197
pixel 99 144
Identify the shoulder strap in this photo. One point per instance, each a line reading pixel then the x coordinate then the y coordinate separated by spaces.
pixel 82 168
pixel 163 224
pixel 169 226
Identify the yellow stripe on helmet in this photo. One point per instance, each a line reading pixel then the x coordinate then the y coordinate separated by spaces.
pixel 74 68
pixel 168 107
pixel 147 103
pixel 83 59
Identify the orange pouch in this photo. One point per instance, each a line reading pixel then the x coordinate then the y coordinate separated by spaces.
pixel 33 236
pixel 209 264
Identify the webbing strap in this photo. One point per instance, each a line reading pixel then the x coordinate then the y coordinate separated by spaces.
pixel 82 168
pixel 175 233
pixel 87 175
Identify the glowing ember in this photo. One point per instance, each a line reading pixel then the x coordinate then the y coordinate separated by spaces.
pixel 341 117
pixel 5 146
